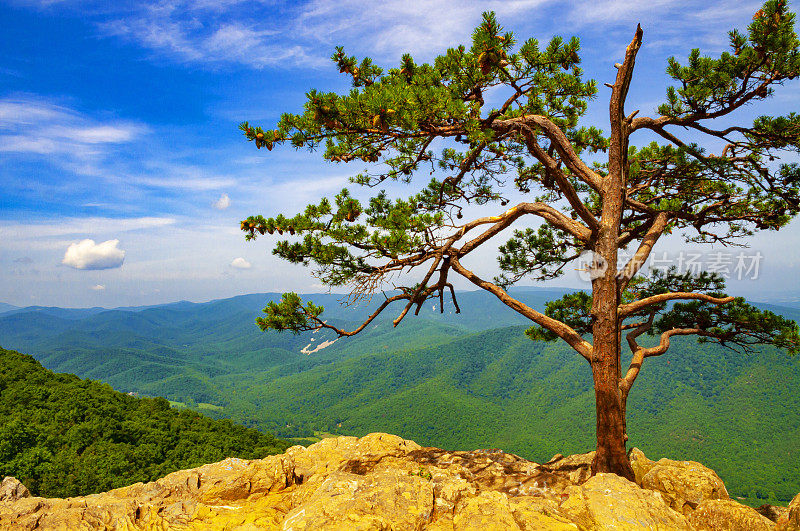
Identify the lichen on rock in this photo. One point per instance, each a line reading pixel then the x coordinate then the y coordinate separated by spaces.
pixel 382 481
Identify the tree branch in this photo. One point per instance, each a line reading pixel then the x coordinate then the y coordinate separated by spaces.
pixel 561 180
pixel 568 334
pixel 663 345
pixel 548 213
pixel 638 354
pixel 558 138
pixel 643 252
pixel 633 307
pixel 619 91
pixel 340 332
pixel 646 122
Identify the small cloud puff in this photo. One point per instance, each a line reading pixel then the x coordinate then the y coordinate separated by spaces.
pixel 89 255
pixel 222 203
pixel 98 287
pixel 241 263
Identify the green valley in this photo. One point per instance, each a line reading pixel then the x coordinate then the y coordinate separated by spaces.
pixel 458 381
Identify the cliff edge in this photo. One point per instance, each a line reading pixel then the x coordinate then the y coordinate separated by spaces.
pixel 382 481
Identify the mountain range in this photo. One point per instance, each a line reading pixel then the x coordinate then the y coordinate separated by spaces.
pixel 453 380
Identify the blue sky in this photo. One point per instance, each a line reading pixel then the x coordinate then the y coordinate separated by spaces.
pixel 118 124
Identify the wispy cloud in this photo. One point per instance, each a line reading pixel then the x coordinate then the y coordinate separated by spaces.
pixel 199 33
pixel 117 159
pixel 184 180
pixel 79 227
pixel 263 33
pixel 30 124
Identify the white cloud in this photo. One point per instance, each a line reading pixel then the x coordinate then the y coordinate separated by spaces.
pixel 222 203
pixel 98 134
pixel 73 226
pixel 89 255
pixel 263 33
pixel 196 33
pixel 195 182
pixel 241 263
pixel 98 287
pixel 69 133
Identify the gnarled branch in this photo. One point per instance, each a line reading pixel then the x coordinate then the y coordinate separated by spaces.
pixel 636 306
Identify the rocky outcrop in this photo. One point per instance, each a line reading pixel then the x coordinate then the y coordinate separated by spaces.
pixel 727 515
pixel 641 465
pixel 381 481
pixel 608 501
pixel 773 512
pixel 684 484
pixel 790 520
pixel 11 490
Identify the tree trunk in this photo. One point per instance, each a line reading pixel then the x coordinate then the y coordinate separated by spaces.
pixel 612 455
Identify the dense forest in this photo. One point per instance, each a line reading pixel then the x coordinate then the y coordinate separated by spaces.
pixel 64 436
pixel 735 412
pixel 447 380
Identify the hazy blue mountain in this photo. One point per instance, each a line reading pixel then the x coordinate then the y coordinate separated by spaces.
pixel 63 313
pixel 7 307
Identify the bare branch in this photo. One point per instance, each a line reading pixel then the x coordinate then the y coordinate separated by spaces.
pixel 638 354
pixel 619 90
pixel 548 213
pixel 636 262
pixel 633 307
pixel 561 180
pixel 620 126
pixel 663 345
pixel 567 333
pixel 340 332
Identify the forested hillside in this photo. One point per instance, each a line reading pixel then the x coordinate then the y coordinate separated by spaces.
pixel 734 412
pixel 459 381
pixel 64 436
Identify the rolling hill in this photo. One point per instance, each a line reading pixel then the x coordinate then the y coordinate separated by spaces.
pixel 64 436
pixel 457 381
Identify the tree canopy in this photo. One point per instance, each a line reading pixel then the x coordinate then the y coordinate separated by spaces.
pixel 63 436
pixel 507 115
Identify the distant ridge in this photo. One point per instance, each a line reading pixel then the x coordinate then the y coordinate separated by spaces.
pixel 477 304
pixel 7 307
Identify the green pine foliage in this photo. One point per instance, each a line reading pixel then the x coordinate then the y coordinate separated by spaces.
pixel 711 174
pixel 63 436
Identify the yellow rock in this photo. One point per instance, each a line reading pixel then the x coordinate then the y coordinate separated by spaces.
pixel 684 484
pixel 794 512
pixel 534 513
pixel 382 481
pixel 488 511
pixel 791 520
pixel 608 501
pixel 381 500
pixel 641 465
pixel 728 515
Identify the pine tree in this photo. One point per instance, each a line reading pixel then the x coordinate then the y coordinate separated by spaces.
pixel 533 141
